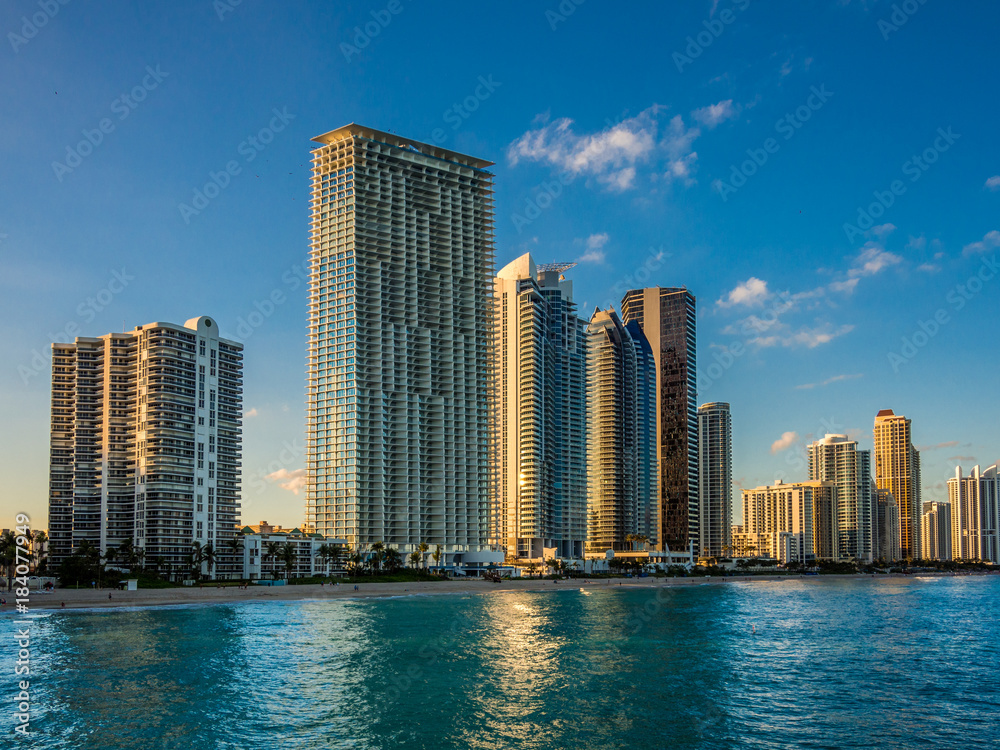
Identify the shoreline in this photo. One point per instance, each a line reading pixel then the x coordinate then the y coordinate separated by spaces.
pixel 147 598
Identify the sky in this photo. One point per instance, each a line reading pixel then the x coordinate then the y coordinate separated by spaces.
pixel 823 176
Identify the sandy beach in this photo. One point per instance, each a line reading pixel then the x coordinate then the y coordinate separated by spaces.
pixel 88 598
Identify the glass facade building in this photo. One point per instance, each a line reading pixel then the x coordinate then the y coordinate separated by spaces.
pixel 667 318
pixel 400 326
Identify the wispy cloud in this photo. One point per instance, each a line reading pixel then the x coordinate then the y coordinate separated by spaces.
pixel 750 293
pixel 939 446
pixel 612 155
pixel 993 183
pixel 594 245
pixel 883 230
pixel 872 259
pixel 252 413
pixel 293 481
pixel 786 441
pixel 989 241
pixel 715 114
pixel 828 381
pixel 968 459
pixel 929 267
pixel 806 337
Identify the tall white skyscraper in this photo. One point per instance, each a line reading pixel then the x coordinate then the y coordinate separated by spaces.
pixel 146 443
pixel 836 458
pixel 975 514
pixel 540 448
pixel 715 478
pixel 621 425
pixel 400 326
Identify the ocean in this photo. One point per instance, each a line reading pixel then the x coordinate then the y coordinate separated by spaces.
pixel 819 663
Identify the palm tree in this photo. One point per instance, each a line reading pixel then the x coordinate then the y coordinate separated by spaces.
pixel 272 553
pixel 288 555
pixel 235 546
pixel 414 559
pixel 423 551
pixel 8 556
pixel 40 538
pixel 532 568
pixel 325 552
pixel 437 555
pixel 197 558
pixel 393 560
pixel 92 555
pixel 209 555
pixel 127 554
pixel 355 562
pixel 378 550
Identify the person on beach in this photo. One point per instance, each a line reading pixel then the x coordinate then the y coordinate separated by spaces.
pixel 109 595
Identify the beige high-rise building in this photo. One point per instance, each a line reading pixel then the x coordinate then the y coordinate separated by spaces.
pixel 540 444
pixel 400 333
pixel 897 469
pixel 790 522
pixel 146 444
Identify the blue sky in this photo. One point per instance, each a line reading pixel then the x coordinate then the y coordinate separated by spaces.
pixel 824 176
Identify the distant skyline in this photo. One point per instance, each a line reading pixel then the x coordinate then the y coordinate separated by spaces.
pixel 824 179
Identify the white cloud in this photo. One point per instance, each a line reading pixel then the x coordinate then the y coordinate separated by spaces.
pixel 828 381
pixel 750 293
pixel 592 256
pixel 252 413
pixel 872 259
pixel 597 241
pixel 883 230
pixel 807 337
pixel 990 240
pixel 612 156
pixel 786 441
pixel 594 244
pixel 929 267
pixel 939 446
pixel 715 114
pixel 916 243
pixel 845 286
pixel 293 481
pixel 993 183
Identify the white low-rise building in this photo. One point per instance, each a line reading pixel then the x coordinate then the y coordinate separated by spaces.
pixel 264 555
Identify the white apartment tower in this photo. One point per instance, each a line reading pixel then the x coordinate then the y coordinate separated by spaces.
pixel 897 469
pixel 836 458
pixel 975 515
pixel 621 444
pixel 715 479
pixel 146 443
pixel 400 325
pixel 540 440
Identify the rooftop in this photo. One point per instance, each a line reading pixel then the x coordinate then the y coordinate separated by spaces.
pixel 399 142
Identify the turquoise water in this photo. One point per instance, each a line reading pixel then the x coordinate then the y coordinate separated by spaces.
pixel 845 663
